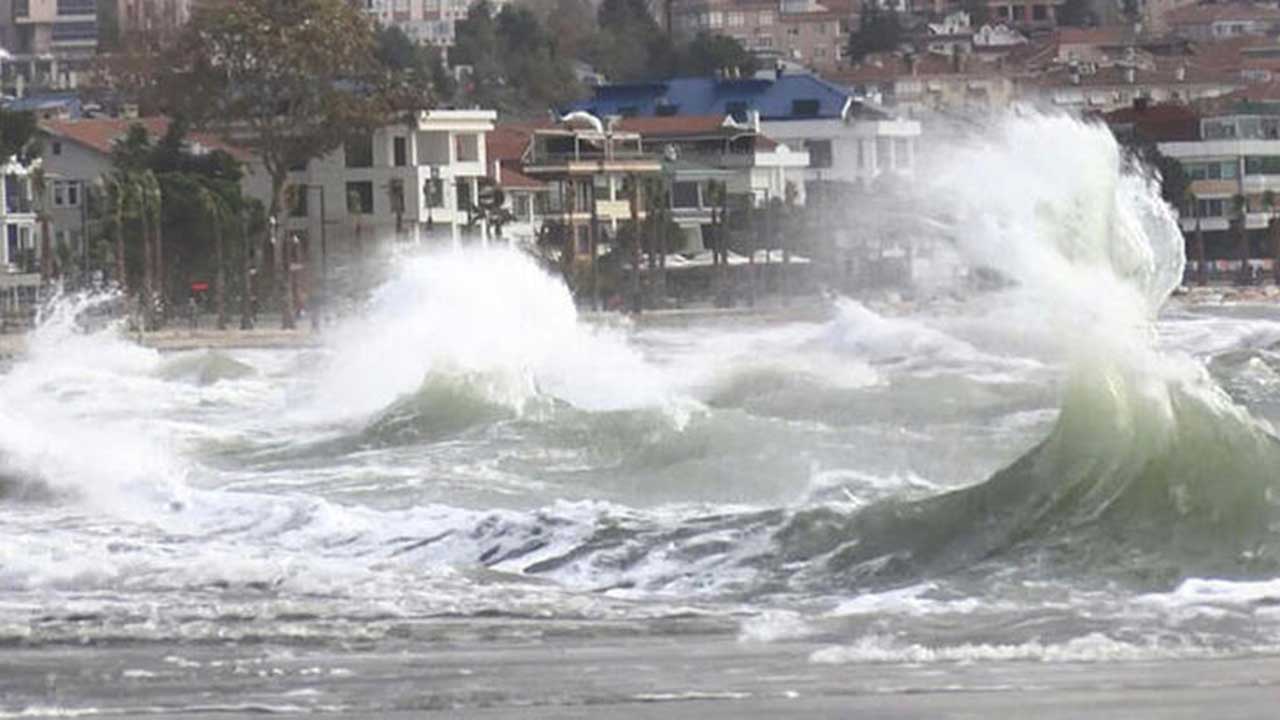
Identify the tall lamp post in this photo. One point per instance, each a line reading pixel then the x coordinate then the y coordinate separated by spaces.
pixel 323 295
pixel 429 197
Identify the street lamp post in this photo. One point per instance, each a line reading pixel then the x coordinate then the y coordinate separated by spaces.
pixel 323 294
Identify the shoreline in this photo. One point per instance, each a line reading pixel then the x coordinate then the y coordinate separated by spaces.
pixel 13 345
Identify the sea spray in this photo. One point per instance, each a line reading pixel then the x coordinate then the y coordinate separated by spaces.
pixel 52 435
pixel 1151 472
pixel 491 314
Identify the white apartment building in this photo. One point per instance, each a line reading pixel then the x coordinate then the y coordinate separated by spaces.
pixel 19 247
pixel 412 182
pixel 51 42
pixel 1239 155
pixel 427 21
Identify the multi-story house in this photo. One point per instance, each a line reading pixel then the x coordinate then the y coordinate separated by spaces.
pixel 847 140
pixel 695 153
pixel 805 32
pixel 20 247
pixel 920 86
pixel 595 170
pixel 76 156
pixel 51 43
pixel 1222 20
pixel 1026 14
pixel 418 181
pixel 1230 153
pixel 427 21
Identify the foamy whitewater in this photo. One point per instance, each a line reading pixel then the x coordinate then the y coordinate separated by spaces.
pixel 1063 471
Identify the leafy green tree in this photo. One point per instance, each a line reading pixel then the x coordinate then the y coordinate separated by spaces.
pixel 1076 13
pixel 17 135
pixel 878 30
pixel 707 53
pixel 630 45
pixel 289 80
pixel 396 50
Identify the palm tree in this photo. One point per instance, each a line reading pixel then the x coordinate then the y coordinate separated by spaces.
pixel 1239 216
pixel 657 206
pixel 1273 232
pixel 215 209
pixel 1192 202
pixel 153 248
pixel 718 198
pixel 633 230
pixel 39 186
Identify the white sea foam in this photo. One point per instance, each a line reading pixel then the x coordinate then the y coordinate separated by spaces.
pixel 1091 648
pixel 491 312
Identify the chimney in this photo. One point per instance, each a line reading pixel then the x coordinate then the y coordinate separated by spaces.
pixel 1180 74
pixel 910 60
pixel 753 119
pixel 777 71
pixel 1075 73
pixel 1130 74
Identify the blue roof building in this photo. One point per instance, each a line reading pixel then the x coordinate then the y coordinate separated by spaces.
pixel 848 140
pixel 776 98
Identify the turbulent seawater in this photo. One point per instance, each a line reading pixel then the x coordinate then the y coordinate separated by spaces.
pixel 1068 470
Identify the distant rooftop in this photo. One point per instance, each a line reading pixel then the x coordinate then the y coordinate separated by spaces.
pixel 782 97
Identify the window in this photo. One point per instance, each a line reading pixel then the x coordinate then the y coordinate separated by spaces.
pixel 804 108
pixel 1039 13
pixel 360 198
pixel 1210 208
pixel 77 7
pixel 1019 12
pixel 462 195
pixel 736 19
pixel 75 31
pixel 433 193
pixel 1211 170
pixel 1219 129
pixel 55 147
pixel 66 193
pixel 359 152
pixel 1262 165
pixel 298 200
pixel 520 206
pixel 766 17
pixel 819 153
pixel 737 109
pixel 715 19
pixel 468 147
pixel 400 151
pixel 684 195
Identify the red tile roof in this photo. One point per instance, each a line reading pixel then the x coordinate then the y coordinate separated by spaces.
pixel 506 144
pixel 1107 35
pixel 1160 123
pixel 100 134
